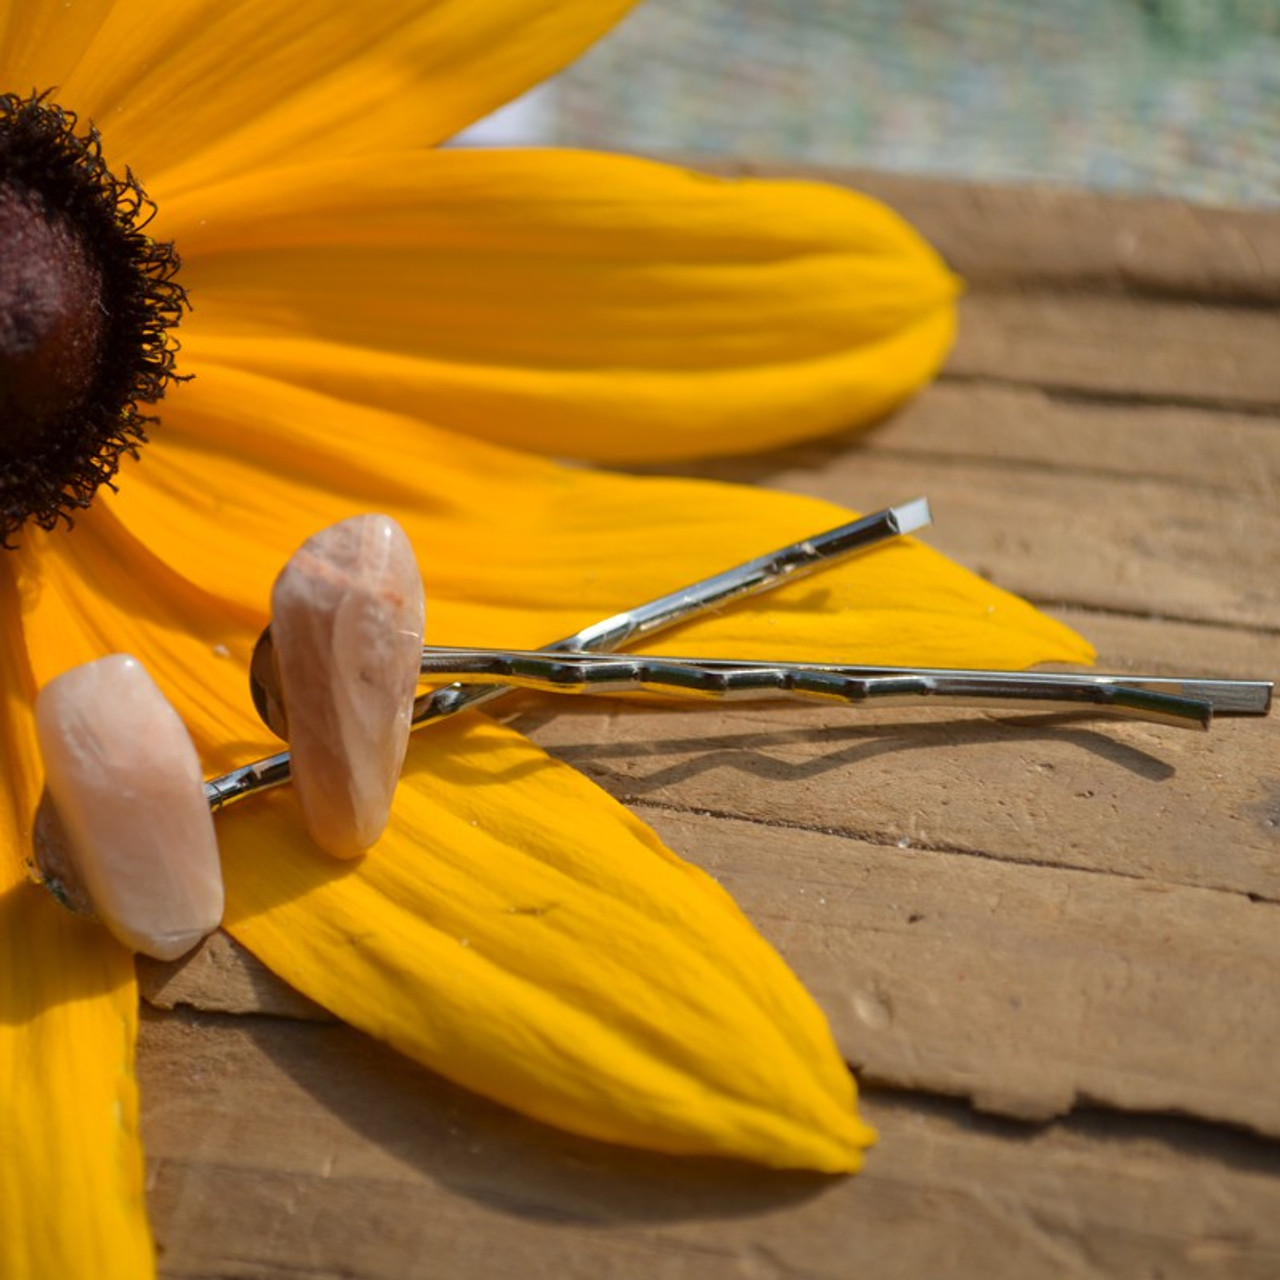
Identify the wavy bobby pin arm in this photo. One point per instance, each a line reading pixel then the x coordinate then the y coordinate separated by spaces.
pixel 1225 697
pixel 743 681
pixel 761 574
pixel 1221 696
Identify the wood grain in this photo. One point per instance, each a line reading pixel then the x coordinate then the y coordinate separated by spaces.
pixel 294 1149
pixel 1076 924
pixel 1017 987
pixel 1126 347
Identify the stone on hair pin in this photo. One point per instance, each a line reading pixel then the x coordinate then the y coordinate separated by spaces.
pixel 124 831
pixel 347 617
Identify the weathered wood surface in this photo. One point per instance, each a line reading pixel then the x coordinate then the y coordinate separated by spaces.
pixel 1073 925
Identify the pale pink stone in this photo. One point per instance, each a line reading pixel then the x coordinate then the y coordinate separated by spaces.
pixel 347 616
pixel 124 776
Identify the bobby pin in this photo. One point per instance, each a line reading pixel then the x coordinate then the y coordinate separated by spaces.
pixel 1181 703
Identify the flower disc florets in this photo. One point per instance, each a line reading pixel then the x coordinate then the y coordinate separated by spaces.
pixel 87 300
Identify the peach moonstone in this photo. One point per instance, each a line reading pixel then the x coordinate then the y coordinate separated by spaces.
pixel 347 616
pixel 123 775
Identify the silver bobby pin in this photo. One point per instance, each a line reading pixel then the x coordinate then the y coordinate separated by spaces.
pixel 576 665
pixel 794 561
pixel 1181 703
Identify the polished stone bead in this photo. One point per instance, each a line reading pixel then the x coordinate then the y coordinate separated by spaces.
pixel 347 618
pixel 135 835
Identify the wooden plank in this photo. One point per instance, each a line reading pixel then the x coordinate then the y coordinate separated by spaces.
pixel 1133 348
pixel 220 976
pixel 1030 429
pixel 302 1149
pixel 1122 799
pixel 1122 988
pixel 1160 512
pixel 1114 543
pixel 1024 989
pixel 1165 646
pixel 1027 429
pixel 1123 991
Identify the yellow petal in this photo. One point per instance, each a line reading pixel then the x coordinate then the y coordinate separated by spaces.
pixel 516 930
pixel 40 44
pixel 521 933
pixel 192 92
pixel 518 552
pixel 71 1199
pixel 570 303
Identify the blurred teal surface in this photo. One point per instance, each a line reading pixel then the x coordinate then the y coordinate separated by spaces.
pixel 1171 97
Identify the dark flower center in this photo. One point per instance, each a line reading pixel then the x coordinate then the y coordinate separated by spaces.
pixel 87 300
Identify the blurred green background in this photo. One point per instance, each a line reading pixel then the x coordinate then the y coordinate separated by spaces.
pixel 1171 97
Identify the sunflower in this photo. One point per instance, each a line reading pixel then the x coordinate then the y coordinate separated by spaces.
pixel 376 324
